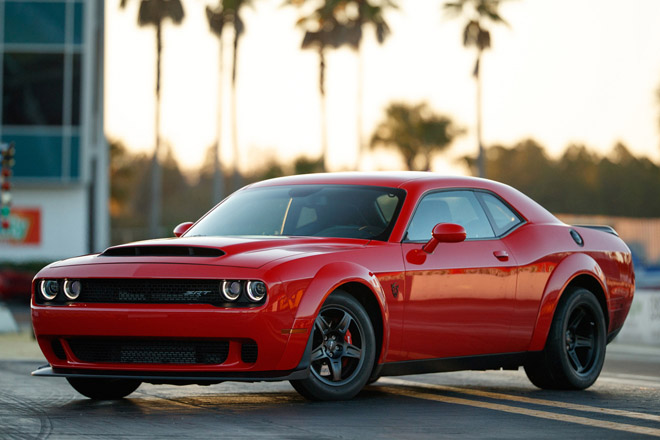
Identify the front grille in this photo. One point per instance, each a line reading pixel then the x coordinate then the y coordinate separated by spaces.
pixel 249 352
pixel 125 351
pixel 158 291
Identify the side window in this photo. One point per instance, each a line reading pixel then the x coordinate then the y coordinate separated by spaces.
pixel 504 217
pixel 460 207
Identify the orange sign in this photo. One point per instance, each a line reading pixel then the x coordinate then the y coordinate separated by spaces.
pixel 24 227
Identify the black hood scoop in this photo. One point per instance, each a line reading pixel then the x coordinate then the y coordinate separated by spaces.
pixel 162 251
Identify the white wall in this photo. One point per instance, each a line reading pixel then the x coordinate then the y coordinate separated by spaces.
pixel 642 326
pixel 64 224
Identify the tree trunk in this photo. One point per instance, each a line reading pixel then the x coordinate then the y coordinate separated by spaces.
pixel 156 171
pixel 218 180
pixel 324 127
pixel 358 107
pixel 409 159
pixel 234 126
pixel 481 160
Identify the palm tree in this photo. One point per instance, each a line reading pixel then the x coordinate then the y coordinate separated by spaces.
pixel 227 11
pixel 154 12
pixel 326 27
pixel 368 14
pixel 476 35
pixel 416 132
pixel 216 21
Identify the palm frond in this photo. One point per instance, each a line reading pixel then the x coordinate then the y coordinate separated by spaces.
pixel 156 11
pixel 216 20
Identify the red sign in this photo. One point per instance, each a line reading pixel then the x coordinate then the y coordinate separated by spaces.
pixel 24 227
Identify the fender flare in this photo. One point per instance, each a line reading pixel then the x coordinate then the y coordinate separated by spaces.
pixel 564 273
pixel 327 280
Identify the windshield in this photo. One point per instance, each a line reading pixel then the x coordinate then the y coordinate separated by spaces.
pixel 342 211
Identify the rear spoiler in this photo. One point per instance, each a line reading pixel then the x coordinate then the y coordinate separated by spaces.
pixel 603 228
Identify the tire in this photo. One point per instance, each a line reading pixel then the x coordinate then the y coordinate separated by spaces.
pixel 103 389
pixel 373 379
pixel 575 349
pixel 343 351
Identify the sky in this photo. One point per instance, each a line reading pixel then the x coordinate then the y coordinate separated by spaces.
pixel 562 72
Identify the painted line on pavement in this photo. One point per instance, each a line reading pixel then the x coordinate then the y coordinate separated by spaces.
pixel 631 379
pixel 529 400
pixel 623 427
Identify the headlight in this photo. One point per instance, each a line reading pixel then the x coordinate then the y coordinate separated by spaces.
pixel 72 289
pixel 256 290
pixel 231 290
pixel 49 289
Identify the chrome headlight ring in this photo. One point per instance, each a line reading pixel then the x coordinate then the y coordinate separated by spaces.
pixel 72 289
pixel 49 289
pixel 256 290
pixel 231 290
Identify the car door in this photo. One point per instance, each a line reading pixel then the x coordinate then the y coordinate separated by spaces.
pixel 460 298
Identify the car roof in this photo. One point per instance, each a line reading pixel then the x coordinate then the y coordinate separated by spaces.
pixel 393 179
pixel 417 183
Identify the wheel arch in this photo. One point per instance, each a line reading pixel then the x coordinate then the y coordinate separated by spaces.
pixel 576 270
pixel 593 285
pixel 358 282
pixel 366 297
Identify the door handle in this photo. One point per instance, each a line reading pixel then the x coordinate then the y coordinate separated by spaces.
pixel 501 255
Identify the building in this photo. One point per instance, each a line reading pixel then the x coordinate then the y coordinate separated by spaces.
pixel 51 59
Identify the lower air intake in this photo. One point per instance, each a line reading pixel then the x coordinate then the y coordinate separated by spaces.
pixel 149 351
pixel 249 352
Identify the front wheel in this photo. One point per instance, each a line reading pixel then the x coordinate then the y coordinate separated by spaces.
pixel 575 350
pixel 103 389
pixel 343 350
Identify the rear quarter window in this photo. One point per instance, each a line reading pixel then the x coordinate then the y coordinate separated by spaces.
pixel 504 218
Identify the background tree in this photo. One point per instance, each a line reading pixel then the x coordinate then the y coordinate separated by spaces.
pixel 326 26
pixel 525 166
pixel 580 181
pixel 475 34
pixel 154 13
pixel 227 11
pixel 415 132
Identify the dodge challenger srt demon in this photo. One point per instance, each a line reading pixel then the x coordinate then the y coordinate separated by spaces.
pixel 333 280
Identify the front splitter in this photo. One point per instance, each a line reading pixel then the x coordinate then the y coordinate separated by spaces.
pixel 181 378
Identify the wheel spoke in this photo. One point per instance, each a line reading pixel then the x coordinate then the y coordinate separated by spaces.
pixel 575 361
pixel 322 324
pixel 345 323
pixel 352 351
pixel 583 342
pixel 335 369
pixel 576 319
pixel 317 354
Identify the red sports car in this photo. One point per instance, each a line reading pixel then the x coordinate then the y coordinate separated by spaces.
pixel 333 280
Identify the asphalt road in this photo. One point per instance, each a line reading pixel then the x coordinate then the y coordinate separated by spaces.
pixel 624 403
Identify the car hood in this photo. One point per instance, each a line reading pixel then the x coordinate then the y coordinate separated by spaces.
pixel 247 252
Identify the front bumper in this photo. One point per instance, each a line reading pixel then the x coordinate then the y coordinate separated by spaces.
pixel 279 350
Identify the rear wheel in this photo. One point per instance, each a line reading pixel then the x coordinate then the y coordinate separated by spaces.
pixel 575 350
pixel 343 351
pixel 103 389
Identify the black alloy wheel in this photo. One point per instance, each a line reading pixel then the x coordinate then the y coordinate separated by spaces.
pixel 581 339
pixel 575 349
pixel 343 350
pixel 103 389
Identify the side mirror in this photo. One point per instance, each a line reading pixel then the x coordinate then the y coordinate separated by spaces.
pixel 182 228
pixel 444 233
